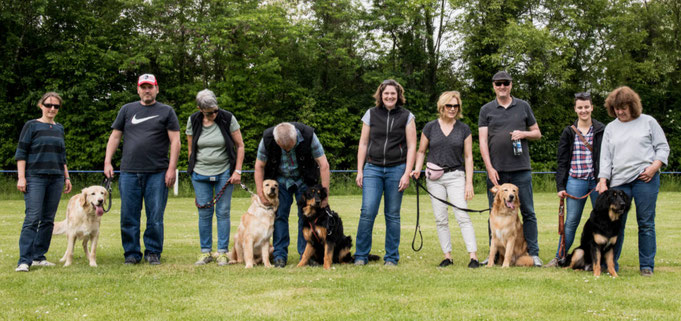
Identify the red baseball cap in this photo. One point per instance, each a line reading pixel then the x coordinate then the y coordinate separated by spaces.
pixel 147 79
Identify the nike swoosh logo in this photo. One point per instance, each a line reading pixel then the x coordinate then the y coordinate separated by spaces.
pixel 136 120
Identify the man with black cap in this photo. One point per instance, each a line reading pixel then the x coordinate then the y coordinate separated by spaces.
pixel 504 127
pixel 150 127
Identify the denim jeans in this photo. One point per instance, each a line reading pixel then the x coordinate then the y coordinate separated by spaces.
pixel 522 179
pixel 134 188
pixel 42 196
pixel 280 236
pixel 644 195
pixel 205 187
pixel 578 188
pixel 380 181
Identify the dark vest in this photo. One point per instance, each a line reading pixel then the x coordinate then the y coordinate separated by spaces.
pixel 223 120
pixel 307 166
pixel 387 136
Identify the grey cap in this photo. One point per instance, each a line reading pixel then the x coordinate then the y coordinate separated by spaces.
pixel 502 75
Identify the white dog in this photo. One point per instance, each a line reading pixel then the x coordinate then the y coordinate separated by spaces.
pixel 83 216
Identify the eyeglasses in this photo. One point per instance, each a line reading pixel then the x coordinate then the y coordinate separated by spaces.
pixel 583 96
pixel 452 106
pixel 48 106
pixel 502 83
pixel 209 113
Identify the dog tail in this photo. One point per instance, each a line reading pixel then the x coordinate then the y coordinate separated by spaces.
pixel 524 260
pixel 59 227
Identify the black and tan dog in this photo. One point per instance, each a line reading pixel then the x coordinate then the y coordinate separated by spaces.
pixel 323 231
pixel 600 233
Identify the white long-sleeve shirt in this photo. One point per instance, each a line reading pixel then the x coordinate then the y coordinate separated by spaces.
pixel 628 148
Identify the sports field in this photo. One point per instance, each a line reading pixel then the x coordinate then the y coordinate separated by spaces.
pixel 415 290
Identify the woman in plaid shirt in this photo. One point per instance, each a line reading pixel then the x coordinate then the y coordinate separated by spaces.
pixel 578 165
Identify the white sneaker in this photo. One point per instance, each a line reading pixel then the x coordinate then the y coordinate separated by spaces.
pixel 23 267
pixel 537 261
pixel 42 263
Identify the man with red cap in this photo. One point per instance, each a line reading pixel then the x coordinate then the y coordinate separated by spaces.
pixel 146 171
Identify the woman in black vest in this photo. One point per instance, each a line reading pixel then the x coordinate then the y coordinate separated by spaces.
pixel 216 153
pixel 385 158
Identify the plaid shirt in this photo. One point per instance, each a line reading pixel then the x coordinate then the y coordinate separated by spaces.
pixel 581 165
pixel 289 174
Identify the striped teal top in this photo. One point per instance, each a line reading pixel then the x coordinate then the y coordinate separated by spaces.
pixel 42 146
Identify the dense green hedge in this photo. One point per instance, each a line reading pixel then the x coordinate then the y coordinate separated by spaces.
pixel 319 62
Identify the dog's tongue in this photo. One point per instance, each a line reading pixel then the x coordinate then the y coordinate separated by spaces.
pixel 510 205
pixel 99 210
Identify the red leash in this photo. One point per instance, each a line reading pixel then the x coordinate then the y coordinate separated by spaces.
pixel 561 222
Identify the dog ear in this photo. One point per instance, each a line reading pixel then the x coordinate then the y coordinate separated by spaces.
pixel 494 189
pixel 322 192
pixel 603 201
pixel 83 197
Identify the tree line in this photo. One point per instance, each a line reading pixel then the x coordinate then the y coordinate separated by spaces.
pixel 319 62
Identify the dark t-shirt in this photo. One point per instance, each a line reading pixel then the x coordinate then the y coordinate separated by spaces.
pixel 446 151
pixel 145 136
pixel 500 122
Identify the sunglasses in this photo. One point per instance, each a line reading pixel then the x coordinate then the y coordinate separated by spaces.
pixel 209 113
pixel 452 106
pixel 502 83
pixel 48 106
pixel 583 96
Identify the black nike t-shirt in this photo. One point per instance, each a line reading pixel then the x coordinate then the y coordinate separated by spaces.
pixel 145 136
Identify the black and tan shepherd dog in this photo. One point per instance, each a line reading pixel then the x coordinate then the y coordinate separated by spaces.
pixel 323 231
pixel 600 233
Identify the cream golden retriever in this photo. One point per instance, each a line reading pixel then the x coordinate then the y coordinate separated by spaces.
pixel 507 231
pixel 252 240
pixel 83 215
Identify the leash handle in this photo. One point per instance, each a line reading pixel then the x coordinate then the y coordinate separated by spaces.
pixel 106 183
pixel 561 229
pixel 418 227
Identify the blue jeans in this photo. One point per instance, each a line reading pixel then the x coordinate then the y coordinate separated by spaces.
pixel 645 197
pixel 42 196
pixel 380 181
pixel 578 188
pixel 280 236
pixel 135 187
pixel 205 187
pixel 522 179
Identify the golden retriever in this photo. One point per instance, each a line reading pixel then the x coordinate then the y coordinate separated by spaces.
pixel 83 216
pixel 507 231
pixel 252 240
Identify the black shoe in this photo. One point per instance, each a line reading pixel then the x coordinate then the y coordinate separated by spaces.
pixel 279 262
pixel 130 260
pixel 153 258
pixel 474 264
pixel 446 263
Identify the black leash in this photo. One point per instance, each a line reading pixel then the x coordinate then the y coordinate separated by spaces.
pixel 107 185
pixel 419 185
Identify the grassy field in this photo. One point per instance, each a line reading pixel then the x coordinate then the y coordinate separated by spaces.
pixel 415 290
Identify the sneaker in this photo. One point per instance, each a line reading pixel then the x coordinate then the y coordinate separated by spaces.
pixel 204 259
pixel 153 258
pixel 222 259
pixel 130 260
pixel 485 261
pixel 446 263
pixel 23 267
pixel 360 262
pixel 552 263
pixel 473 264
pixel 42 263
pixel 279 262
pixel 644 272
pixel 389 263
pixel 537 261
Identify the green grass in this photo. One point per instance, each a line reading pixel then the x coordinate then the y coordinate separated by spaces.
pixel 415 290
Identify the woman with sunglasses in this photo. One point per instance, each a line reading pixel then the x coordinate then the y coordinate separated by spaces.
pixel 579 150
pixel 216 154
pixel 451 149
pixel 385 158
pixel 43 175
pixel 634 150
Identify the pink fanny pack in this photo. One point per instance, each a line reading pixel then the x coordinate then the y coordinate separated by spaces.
pixel 433 171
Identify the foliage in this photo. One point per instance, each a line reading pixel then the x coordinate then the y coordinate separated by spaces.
pixel 319 62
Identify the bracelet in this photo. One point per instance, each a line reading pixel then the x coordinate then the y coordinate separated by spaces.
pixel 238 171
pixel 67 178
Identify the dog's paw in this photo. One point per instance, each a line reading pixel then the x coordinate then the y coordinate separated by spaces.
pixel 93 264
